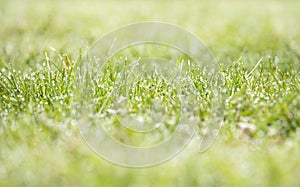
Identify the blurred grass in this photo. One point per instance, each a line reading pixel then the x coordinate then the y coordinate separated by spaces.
pixel 40 144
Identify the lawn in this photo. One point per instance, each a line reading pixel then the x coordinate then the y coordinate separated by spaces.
pixel 257 48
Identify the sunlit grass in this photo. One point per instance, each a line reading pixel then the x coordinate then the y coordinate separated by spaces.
pixel 257 47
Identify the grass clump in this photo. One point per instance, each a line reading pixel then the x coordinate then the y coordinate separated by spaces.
pixel 255 43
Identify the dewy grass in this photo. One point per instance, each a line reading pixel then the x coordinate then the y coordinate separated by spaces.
pixel 257 48
pixel 52 90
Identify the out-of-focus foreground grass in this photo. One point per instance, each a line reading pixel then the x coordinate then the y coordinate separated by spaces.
pixel 258 144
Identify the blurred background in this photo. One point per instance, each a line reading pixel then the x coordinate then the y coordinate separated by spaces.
pixel 230 28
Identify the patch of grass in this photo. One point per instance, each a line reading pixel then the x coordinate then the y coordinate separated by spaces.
pixel 256 44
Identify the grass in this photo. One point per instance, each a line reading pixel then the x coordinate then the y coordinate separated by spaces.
pixel 258 52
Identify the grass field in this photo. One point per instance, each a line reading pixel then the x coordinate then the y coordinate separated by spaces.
pixel 257 46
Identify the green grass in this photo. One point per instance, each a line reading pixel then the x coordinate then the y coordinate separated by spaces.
pixel 258 52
